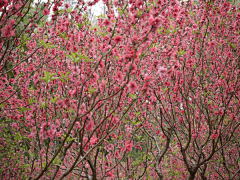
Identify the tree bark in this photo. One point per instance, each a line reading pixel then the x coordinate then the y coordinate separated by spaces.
pixel 192 176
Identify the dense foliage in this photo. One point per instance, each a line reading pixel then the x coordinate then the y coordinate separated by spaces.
pixel 150 91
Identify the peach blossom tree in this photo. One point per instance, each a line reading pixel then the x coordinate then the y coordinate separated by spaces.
pixel 149 92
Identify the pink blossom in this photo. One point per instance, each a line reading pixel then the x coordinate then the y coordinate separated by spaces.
pixel 194 136
pixel 102 86
pixel 110 174
pixel 58 134
pixel 46 12
pixel 148 78
pixel 151 21
pixel 118 39
pixel 40 30
pixel 67 5
pixel 162 71
pixel 106 22
pixel 132 66
pixel 3 3
pixel 129 145
pixel 8 31
pixel 32 135
pixel 106 38
pixel 139 147
pixel 117 154
pixel 93 140
pixel 119 76
pixel 51 133
pixel 132 85
pixel 42 152
pixel 110 147
pixel 95 77
pixel 55 8
pixel 57 122
pixel 215 135
pixel 72 93
pixel 89 126
pixel 134 39
pixel 167 83
pixel 78 125
pixel 114 136
pixel 114 120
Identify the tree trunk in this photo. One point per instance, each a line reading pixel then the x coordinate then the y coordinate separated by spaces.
pixel 192 176
pixel 203 177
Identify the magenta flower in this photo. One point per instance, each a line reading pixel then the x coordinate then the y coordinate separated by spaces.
pixel 93 140
pixel 129 145
pixel 132 85
pixel 46 12
pixel 8 31
pixel 118 39
pixel 119 76
pixel 3 3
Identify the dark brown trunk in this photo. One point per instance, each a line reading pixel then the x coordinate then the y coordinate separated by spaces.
pixel 192 176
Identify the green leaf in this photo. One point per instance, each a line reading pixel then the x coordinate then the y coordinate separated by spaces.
pixel 232 45
pixel 74 55
pixel 54 100
pixel 88 60
pixel 160 30
pixel 3 105
pixel 138 113
pixel 30 101
pixel 54 78
pixel 44 164
pixel 48 77
pixel 57 162
pixel 168 31
pixel 181 52
pixel 67 73
pixel 120 137
pixel 132 95
pixel 23 109
pixel 43 43
pixel 70 139
pixel 91 90
pixel 136 123
pixel 43 105
pixel 63 35
pixel 77 60
pixel 32 88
